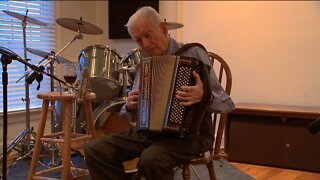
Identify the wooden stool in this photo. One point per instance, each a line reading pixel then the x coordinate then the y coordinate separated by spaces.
pixel 66 135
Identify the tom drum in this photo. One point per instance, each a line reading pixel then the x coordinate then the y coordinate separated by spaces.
pixel 102 62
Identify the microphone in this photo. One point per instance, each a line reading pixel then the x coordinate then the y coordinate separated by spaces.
pixel 314 126
pixel 83 84
pixel 10 54
pixel 31 78
pixel 35 75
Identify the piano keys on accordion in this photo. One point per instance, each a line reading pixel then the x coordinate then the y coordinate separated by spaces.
pixel 159 110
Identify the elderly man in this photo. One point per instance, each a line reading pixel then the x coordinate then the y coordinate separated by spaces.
pixel 158 154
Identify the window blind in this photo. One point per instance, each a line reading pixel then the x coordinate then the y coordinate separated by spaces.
pixel 37 37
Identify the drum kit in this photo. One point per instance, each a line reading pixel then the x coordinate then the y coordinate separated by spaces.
pixel 110 75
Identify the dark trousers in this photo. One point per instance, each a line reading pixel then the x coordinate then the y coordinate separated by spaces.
pixel 158 155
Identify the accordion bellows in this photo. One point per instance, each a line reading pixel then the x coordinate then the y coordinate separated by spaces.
pixel 159 109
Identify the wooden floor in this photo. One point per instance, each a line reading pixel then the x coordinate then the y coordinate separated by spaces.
pixel 271 173
pixel 263 172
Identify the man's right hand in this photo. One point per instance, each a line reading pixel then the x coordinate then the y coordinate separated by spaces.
pixel 132 101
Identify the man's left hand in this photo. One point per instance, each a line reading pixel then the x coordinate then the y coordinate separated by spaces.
pixel 191 94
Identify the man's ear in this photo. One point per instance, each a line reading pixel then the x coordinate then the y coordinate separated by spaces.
pixel 164 28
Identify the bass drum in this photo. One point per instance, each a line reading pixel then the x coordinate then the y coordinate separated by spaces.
pixel 107 120
pixel 78 115
pixel 102 62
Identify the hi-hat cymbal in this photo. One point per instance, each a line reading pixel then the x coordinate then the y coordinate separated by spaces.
pixel 24 17
pixel 79 26
pixel 46 55
pixel 173 25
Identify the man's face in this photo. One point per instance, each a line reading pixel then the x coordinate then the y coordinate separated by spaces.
pixel 153 39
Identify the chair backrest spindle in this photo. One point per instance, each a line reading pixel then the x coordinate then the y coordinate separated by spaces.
pixel 224 76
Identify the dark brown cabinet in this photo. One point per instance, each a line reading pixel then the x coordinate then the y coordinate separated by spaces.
pixel 273 135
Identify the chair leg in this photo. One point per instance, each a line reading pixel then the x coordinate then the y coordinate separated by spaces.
pixel 220 134
pixel 211 171
pixel 185 172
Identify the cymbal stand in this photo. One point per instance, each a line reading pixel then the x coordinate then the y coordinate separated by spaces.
pixel 28 72
pixel 77 36
pixel 54 55
pixel 27 99
pixel 125 75
pixel 53 119
pixel 53 147
pixel 24 136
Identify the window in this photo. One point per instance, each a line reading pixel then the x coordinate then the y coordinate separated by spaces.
pixel 37 37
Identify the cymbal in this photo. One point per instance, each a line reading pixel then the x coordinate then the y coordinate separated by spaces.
pixel 79 26
pixel 24 17
pixel 46 55
pixel 173 25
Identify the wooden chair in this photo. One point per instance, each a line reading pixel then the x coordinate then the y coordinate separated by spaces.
pixel 223 73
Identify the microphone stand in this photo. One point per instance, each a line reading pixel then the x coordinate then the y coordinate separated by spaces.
pixel 5 60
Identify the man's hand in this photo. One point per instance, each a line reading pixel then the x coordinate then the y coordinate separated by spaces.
pixel 132 101
pixel 191 94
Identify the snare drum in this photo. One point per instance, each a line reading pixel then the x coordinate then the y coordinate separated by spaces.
pixel 102 62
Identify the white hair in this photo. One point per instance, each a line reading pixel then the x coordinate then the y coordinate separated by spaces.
pixel 144 12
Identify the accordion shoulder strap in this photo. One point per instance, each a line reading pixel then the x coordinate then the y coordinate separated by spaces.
pixel 205 102
pixel 207 96
pixel 187 46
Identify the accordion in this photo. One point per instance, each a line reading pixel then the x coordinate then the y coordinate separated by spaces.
pixel 159 110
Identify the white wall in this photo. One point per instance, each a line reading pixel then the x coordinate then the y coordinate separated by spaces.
pixel 272 47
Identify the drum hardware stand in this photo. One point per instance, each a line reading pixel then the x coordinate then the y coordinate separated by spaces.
pixel 25 134
pixel 125 74
pixel 53 146
pixel 53 120
pixel 54 55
